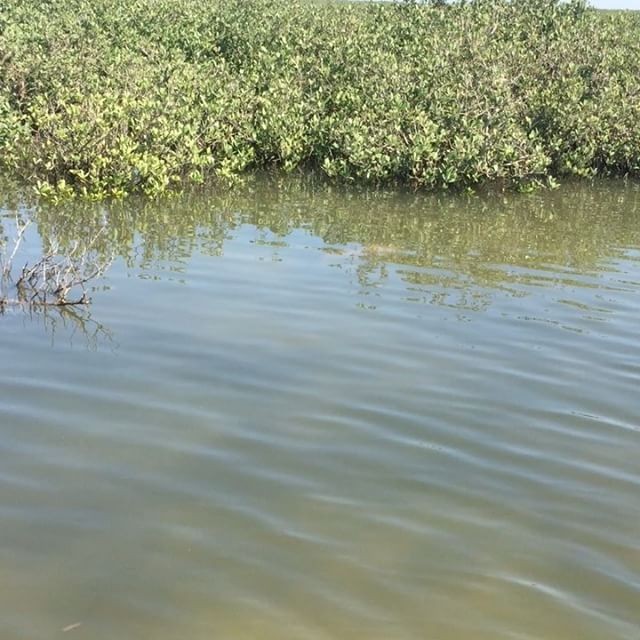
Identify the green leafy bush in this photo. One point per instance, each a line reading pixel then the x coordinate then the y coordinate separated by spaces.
pixel 106 97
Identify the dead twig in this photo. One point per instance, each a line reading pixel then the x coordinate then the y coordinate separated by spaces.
pixel 58 278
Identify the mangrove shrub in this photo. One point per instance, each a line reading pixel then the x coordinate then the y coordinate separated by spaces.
pixel 109 97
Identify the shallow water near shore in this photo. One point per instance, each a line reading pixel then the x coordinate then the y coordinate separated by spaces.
pixel 295 411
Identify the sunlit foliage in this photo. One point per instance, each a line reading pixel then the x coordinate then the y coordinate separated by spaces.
pixel 110 97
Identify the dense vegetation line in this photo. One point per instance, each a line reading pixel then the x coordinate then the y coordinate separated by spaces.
pixel 109 97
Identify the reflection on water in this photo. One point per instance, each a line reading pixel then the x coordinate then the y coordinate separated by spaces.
pixel 69 325
pixel 310 412
pixel 448 250
pixel 443 246
pixel 572 226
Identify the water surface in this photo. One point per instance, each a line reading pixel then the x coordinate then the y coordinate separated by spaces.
pixel 301 412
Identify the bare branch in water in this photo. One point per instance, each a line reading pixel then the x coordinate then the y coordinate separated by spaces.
pixel 58 278
pixel 6 264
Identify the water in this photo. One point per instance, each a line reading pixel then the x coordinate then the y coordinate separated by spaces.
pixel 299 412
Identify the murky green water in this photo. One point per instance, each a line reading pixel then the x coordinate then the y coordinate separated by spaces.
pixel 299 413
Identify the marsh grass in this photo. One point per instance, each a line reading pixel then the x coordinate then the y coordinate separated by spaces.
pixel 105 98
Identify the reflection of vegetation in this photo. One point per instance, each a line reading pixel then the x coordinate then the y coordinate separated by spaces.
pixel 107 97
pixel 447 250
pixel 72 325
pixel 490 240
